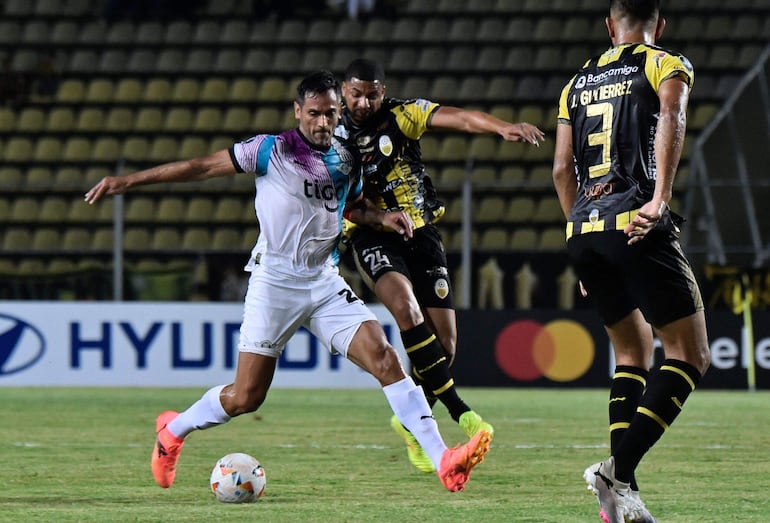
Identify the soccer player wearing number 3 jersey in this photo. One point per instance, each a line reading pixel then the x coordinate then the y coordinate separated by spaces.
pixel 621 125
pixel 305 179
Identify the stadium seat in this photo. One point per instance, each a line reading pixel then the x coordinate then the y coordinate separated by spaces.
pixel 483 147
pixel 102 239
pixel 119 120
pixel 193 147
pixel 552 238
pixel 178 119
pixel 236 120
pixel 170 210
pixel 128 90
pixel 90 120
pixel 82 213
pixel 207 119
pixel 105 149
pixel 18 149
pixel 453 148
pixel 16 239
pixel 196 239
pixel 520 209
pixel 166 239
pixel 139 209
pixel 225 239
pixel 48 149
pixel 523 238
pixel 149 32
pixel 45 239
pixel 135 149
pixel 494 238
pixel 199 209
pixel 77 239
pixel 136 239
pixel 243 90
pixel 31 120
pixel 76 149
pixel 214 90
pixel 227 210
pixel 112 61
pixel 163 149
pixel 548 210
pixel 234 31
pixel 178 32
pixel 484 176
pixel 273 89
pixel 170 61
pixel 199 61
pixel 489 209
pixel 53 209
pixel 60 119
pixel 432 59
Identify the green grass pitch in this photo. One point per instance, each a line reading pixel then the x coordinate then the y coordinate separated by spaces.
pixel 82 455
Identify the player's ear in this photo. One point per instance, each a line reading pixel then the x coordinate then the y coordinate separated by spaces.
pixel 297 110
pixel 610 27
pixel 660 27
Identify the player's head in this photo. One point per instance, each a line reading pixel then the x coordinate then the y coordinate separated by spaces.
pixel 317 107
pixel 363 88
pixel 635 16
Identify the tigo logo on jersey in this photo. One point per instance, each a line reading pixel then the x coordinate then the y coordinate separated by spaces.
pixel 560 350
pixel 21 345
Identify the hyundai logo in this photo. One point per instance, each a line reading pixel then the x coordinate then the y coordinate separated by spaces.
pixel 21 345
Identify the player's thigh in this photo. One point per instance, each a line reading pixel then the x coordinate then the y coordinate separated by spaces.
pixel 664 282
pixel 594 257
pixel 377 253
pixel 273 310
pixel 429 271
pixel 337 313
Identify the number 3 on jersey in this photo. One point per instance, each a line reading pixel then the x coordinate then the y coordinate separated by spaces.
pixel 602 138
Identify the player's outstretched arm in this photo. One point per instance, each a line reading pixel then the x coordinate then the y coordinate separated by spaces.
pixel 196 169
pixel 448 117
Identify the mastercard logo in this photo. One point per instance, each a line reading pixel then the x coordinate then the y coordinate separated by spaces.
pixel 560 350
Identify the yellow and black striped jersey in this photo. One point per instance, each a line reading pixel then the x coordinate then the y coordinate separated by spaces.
pixel 612 105
pixel 389 146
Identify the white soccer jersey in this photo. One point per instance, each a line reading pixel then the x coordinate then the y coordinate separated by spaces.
pixel 300 195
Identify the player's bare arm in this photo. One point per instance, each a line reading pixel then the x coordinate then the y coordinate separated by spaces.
pixel 669 140
pixel 196 169
pixel 448 117
pixel 364 212
pixel 564 169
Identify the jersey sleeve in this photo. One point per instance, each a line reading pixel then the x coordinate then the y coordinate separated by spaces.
pixel 413 117
pixel 252 155
pixel 662 65
pixel 563 115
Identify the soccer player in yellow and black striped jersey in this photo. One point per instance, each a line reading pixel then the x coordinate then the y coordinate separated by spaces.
pixel 411 277
pixel 621 126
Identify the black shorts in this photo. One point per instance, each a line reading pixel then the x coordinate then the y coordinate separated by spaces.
pixel 421 259
pixel 652 275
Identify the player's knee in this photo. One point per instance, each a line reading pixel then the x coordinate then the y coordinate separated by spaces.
pixel 386 366
pixel 406 312
pixel 244 402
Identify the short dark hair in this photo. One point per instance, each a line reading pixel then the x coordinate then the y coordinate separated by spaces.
pixel 366 70
pixel 638 10
pixel 319 82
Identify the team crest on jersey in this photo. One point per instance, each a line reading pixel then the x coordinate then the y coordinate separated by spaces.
pixel 593 216
pixel 658 58
pixel 441 288
pixel 386 146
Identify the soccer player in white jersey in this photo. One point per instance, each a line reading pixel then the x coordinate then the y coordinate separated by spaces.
pixel 305 180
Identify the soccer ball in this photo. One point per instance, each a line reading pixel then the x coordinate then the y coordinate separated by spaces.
pixel 238 478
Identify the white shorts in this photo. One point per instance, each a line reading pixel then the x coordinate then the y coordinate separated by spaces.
pixel 276 307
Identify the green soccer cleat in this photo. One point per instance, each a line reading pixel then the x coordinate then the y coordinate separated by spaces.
pixel 417 455
pixel 471 423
